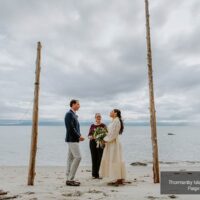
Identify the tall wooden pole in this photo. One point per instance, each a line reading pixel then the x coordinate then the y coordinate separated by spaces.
pixel 151 99
pixel 31 173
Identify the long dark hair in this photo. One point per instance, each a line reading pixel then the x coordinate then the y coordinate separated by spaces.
pixel 118 112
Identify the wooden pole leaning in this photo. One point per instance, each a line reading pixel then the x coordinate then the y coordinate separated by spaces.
pixel 156 173
pixel 34 137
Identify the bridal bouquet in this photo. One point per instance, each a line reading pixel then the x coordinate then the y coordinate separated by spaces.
pixel 99 135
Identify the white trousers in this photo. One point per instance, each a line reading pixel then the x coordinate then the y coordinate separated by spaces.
pixel 73 160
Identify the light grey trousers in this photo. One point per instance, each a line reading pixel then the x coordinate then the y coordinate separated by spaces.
pixel 73 160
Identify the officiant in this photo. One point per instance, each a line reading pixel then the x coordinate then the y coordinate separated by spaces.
pixel 96 151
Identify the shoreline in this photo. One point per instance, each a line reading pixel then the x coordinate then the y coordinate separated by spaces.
pixel 135 163
pixel 50 184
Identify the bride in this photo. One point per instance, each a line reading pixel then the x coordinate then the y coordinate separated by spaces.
pixel 112 165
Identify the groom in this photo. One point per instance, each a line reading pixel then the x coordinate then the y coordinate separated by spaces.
pixel 73 136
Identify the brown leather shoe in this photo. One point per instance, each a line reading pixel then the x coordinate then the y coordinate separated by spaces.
pixel 72 183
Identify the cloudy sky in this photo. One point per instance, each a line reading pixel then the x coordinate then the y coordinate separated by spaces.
pixel 95 51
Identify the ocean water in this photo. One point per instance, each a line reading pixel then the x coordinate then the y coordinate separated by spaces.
pixel 136 143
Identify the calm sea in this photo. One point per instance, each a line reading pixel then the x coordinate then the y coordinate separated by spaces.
pixel 136 142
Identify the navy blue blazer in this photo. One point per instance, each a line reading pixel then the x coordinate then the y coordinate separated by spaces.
pixel 72 127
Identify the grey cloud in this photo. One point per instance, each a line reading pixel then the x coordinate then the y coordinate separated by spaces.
pixel 96 51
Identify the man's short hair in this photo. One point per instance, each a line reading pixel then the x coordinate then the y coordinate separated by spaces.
pixel 73 101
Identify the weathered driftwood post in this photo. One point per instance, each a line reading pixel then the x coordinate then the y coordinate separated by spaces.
pixel 31 173
pixel 151 99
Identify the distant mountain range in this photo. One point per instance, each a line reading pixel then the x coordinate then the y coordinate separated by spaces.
pixel 4 122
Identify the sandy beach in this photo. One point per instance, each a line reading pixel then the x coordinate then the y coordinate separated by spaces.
pixel 50 184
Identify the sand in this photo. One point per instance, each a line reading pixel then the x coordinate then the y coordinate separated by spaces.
pixel 50 184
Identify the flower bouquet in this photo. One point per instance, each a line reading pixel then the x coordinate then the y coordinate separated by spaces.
pixel 99 135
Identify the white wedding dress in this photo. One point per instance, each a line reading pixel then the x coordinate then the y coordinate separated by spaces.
pixel 112 164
